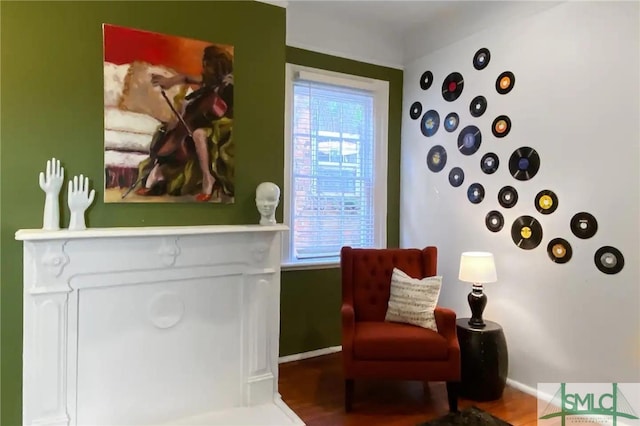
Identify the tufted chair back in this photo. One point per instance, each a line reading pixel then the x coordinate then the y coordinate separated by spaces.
pixel 366 276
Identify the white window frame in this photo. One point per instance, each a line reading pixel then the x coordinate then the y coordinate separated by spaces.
pixel 380 88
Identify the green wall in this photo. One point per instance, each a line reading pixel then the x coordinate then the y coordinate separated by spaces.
pixel 52 105
pixel 310 310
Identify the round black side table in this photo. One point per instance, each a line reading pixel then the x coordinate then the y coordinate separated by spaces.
pixel 484 360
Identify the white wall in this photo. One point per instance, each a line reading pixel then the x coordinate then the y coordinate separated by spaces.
pixel 463 18
pixel 576 101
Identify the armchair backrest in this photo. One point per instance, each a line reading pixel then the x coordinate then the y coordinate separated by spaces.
pixel 366 276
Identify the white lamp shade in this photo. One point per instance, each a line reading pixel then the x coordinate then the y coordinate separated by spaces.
pixel 477 267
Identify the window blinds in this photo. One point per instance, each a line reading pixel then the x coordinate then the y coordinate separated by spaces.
pixel 332 169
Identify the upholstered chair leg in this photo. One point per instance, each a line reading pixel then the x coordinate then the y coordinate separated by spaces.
pixel 452 395
pixel 348 394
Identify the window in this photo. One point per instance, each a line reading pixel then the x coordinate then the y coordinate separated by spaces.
pixel 335 165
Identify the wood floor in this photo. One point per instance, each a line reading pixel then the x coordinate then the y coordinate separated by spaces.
pixel 314 389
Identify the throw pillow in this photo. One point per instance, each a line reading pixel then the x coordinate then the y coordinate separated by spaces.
pixel 412 300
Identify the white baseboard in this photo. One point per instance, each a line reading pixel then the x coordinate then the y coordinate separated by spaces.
pixel 522 387
pixel 529 390
pixel 310 354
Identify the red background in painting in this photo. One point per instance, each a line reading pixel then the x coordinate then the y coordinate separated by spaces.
pixel 125 45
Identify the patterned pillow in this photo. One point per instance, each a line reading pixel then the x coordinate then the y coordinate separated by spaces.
pixel 412 300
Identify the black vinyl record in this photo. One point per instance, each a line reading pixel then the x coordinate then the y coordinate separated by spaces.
pixel 452 86
pixel 475 193
pixel 456 177
pixel 469 140
pixel 546 201
pixel 609 260
pixel 507 197
pixel 489 163
pixel 436 158
pixel 526 232
pixel 415 110
pixel 584 225
pixel 494 221
pixel 430 123
pixel 426 79
pixel 505 82
pixel 481 58
pixel 478 106
pixel 451 122
pixel 524 163
pixel 559 250
pixel 501 126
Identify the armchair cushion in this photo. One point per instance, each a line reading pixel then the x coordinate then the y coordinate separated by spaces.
pixel 387 341
pixel 413 300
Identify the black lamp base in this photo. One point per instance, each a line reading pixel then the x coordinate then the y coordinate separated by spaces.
pixel 477 302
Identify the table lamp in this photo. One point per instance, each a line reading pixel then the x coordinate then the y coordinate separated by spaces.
pixel 478 268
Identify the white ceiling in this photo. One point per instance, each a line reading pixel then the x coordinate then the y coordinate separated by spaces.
pixel 394 15
pixel 394 32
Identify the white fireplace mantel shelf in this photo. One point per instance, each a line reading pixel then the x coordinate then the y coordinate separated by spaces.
pixel 143 231
pixel 175 325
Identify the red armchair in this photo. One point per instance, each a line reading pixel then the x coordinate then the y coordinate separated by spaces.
pixel 374 348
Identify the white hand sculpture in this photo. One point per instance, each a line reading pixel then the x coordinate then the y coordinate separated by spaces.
pixel 79 198
pixel 51 184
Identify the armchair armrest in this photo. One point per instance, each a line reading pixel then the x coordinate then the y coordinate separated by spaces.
pixel 446 322
pixel 348 331
pixel 348 316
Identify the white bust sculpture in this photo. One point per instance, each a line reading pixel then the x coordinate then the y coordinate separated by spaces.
pixel 267 199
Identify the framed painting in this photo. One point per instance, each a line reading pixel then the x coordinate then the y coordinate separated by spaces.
pixel 168 118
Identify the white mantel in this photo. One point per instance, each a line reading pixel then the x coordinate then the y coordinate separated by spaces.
pixel 152 326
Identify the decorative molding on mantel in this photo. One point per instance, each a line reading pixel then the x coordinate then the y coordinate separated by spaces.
pixel 152 325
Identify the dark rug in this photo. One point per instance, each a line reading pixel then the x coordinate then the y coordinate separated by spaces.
pixel 472 416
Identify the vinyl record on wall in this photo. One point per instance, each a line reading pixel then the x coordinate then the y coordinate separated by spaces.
pixel 494 221
pixel 469 140
pixel 546 201
pixel 481 58
pixel 526 232
pixel 584 225
pixel 609 260
pixel 456 177
pixel 436 158
pixel 489 163
pixel 505 82
pixel 452 86
pixel 415 110
pixel 478 106
pixel 475 193
pixel 430 123
pixel 524 163
pixel 501 126
pixel 426 79
pixel 507 197
pixel 559 250
pixel 451 122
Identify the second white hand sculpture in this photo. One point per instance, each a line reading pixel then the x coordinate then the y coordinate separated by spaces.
pixel 79 198
pixel 51 184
